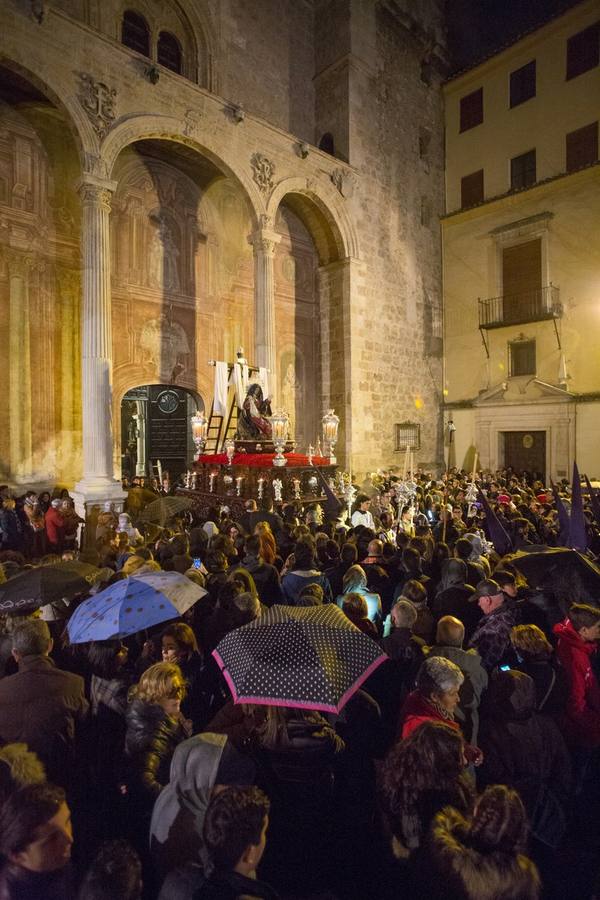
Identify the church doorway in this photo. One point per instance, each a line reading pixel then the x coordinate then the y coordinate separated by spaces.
pixel 155 430
pixel 525 451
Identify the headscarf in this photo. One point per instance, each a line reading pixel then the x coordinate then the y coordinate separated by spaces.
pixel 477 545
pixel 178 814
pixel 454 574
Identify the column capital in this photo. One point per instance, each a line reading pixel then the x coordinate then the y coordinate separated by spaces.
pixel 19 263
pixel 264 240
pixel 95 191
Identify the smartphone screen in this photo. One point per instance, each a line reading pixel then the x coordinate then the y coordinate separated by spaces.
pixel 197 563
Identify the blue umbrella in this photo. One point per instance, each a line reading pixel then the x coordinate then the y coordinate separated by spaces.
pixel 123 608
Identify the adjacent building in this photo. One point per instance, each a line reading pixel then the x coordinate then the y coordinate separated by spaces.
pixel 521 248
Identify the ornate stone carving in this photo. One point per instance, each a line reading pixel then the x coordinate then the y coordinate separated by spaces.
pixel 343 181
pixel 94 195
pixel 191 121
pixel 98 100
pixel 262 171
pixel 164 256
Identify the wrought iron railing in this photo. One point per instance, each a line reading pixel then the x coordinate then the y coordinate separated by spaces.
pixel 515 309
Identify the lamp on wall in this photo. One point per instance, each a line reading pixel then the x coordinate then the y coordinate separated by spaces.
pixel 330 423
pixel 199 424
pixel 280 427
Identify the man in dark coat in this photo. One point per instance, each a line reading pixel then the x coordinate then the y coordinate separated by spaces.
pixel 41 705
pixel 492 636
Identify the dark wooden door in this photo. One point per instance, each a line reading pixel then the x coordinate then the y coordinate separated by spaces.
pixel 525 451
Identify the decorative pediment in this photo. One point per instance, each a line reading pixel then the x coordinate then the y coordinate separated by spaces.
pixel 494 394
pixel 522 390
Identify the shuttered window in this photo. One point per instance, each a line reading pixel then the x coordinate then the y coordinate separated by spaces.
pixel 583 51
pixel 471 189
pixel 582 147
pixel 168 52
pixel 522 170
pixel 522 281
pixel 522 84
pixel 521 356
pixel 471 110
pixel 135 33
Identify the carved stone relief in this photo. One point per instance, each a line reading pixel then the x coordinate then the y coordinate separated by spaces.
pixel 343 181
pixel 98 100
pixel 262 171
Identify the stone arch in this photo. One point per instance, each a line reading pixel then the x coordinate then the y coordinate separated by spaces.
pixel 168 128
pixel 322 209
pixel 82 132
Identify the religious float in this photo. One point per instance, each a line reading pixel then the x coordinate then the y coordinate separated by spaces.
pixel 244 450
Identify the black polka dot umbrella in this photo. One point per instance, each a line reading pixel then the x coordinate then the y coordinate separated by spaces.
pixel 308 657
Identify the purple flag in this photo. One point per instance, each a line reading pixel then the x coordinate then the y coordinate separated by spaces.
pixel 564 534
pixel 594 500
pixel 579 538
pixel 332 505
pixel 496 532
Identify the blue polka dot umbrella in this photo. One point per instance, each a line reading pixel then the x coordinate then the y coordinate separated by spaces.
pixel 131 605
pixel 307 657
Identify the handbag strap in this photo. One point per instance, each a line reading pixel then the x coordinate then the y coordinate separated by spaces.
pixel 548 692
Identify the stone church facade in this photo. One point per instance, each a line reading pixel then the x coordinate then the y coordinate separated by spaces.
pixel 266 175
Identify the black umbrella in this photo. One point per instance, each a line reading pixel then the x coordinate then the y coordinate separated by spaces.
pixel 36 587
pixel 90 573
pixel 163 509
pixel 308 657
pixel 540 567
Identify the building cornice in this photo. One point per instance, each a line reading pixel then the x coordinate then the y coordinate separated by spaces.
pixel 509 195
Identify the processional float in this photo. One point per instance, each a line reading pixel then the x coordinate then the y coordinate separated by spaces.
pixel 244 450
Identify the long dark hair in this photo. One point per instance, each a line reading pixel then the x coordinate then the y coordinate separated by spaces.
pixel 430 759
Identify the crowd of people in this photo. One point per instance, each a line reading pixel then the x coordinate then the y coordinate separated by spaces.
pixel 467 765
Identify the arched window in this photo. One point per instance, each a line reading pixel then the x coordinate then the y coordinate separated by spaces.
pixel 326 143
pixel 135 33
pixel 169 52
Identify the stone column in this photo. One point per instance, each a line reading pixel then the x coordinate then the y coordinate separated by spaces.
pixel 264 241
pixel 19 266
pixel 98 482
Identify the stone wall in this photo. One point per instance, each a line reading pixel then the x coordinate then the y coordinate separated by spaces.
pixel 342 296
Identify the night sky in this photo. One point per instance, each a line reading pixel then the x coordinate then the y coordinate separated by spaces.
pixel 477 28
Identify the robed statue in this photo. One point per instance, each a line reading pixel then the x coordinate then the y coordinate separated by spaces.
pixel 253 422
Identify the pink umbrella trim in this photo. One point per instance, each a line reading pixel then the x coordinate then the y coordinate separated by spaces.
pixel 299 704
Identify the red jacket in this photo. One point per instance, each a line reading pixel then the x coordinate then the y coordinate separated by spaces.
pixel 417 710
pixel 583 704
pixel 55 526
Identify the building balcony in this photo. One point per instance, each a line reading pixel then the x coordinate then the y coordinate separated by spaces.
pixel 518 309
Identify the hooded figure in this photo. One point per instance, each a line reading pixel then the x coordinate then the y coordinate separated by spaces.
pixel 478 554
pixel 456 598
pixel 198 765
